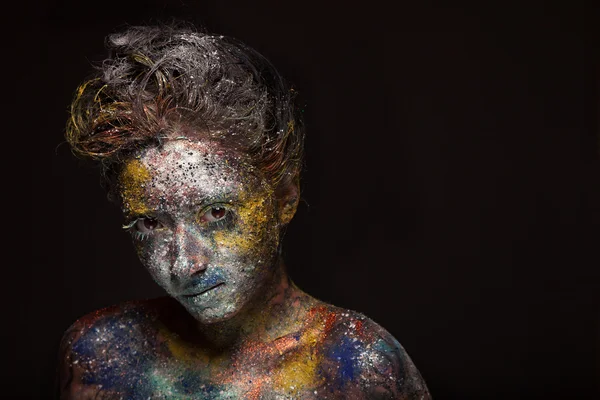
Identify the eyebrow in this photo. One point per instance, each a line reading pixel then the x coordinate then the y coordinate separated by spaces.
pixel 226 196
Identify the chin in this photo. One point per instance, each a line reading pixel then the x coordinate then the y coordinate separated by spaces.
pixel 212 315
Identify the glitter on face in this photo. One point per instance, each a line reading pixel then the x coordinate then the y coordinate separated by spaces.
pixel 212 267
pixel 207 227
pixel 165 111
pixel 133 181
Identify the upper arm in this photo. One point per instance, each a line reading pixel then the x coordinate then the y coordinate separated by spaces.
pixel 390 372
pixel 70 371
pixel 100 354
pixel 71 377
pixel 363 360
pixel 67 372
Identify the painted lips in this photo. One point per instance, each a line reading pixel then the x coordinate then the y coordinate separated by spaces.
pixel 203 291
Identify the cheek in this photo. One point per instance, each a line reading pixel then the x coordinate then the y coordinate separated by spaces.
pixel 250 250
pixel 155 256
pixel 256 237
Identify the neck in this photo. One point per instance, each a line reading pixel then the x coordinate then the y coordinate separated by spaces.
pixel 267 317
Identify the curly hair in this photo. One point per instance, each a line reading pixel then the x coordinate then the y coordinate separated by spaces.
pixel 166 79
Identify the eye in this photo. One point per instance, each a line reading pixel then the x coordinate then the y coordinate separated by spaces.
pixel 214 214
pixel 147 225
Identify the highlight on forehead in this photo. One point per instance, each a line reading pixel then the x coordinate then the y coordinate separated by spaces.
pixel 193 148
pixel 185 172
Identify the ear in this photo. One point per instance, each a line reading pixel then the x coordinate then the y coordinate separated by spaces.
pixel 288 196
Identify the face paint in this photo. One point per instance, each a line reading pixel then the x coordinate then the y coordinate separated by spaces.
pixel 206 226
pixel 204 223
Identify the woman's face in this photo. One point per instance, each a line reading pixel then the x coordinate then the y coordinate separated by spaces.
pixel 204 223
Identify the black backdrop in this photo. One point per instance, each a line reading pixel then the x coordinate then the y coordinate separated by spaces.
pixel 450 192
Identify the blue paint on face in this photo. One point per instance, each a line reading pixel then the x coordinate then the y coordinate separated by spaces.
pixel 187 255
pixel 210 278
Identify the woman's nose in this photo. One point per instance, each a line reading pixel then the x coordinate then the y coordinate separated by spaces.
pixel 190 254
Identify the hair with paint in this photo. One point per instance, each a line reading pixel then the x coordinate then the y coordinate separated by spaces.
pixel 160 81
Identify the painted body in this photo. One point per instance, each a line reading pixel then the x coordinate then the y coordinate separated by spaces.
pixel 146 350
pixel 207 226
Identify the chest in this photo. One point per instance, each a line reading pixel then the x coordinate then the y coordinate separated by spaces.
pixel 288 379
pixel 254 374
pixel 275 371
pixel 138 364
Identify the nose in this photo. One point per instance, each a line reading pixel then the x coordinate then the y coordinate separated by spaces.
pixel 190 254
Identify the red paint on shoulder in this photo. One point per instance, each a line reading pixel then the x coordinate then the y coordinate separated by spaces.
pixel 324 315
pixel 330 321
pixel 316 311
pixel 358 327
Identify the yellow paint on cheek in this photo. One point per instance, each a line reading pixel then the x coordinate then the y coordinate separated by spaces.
pixel 132 180
pixel 253 221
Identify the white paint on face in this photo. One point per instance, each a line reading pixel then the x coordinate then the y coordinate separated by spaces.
pixel 213 266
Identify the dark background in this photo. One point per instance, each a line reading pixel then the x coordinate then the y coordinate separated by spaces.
pixel 450 193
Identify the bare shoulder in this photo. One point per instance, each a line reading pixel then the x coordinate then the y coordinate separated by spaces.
pixel 365 361
pixel 96 349
pixel 128 319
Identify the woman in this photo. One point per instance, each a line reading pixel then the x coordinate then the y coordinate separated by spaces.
pixel 201 147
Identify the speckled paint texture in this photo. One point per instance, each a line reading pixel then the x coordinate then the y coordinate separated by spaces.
pixel 207 227
pixel 202 143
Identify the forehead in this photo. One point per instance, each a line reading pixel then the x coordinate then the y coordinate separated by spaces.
pixel 183 171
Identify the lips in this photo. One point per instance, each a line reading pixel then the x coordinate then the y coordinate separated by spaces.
pixel 199 292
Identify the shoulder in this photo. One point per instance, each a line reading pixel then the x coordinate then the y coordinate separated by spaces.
pixel 364 360
pixel 97 348
pixel 110 323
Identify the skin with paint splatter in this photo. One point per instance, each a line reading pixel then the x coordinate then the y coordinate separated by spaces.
pixel 207 226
